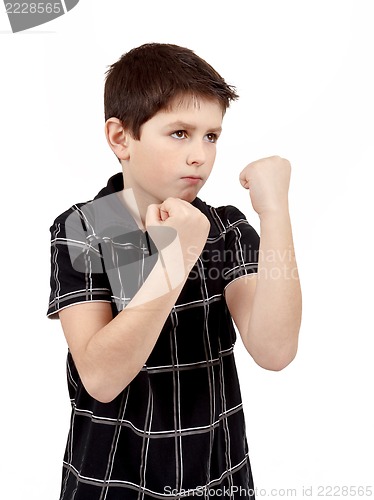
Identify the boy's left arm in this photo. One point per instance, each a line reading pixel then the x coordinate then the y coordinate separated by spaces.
pixel 266 306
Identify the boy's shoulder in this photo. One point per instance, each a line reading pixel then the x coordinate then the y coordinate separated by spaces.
pixel 82 209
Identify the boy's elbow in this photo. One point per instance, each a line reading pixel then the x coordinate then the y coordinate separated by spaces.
pixel 276 364
pixel 101 390
pixel 105 385
pixel 100 393
pixel 276 361
pixel 102 396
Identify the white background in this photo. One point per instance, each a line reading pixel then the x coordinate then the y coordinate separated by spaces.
pixel 304 71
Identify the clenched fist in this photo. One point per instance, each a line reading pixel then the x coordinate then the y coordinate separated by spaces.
pixel 191 227
pixel 268 182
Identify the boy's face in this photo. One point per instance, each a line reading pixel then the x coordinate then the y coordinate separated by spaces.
pixel 176 151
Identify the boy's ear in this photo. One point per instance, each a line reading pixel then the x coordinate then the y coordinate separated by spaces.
pixel 118 138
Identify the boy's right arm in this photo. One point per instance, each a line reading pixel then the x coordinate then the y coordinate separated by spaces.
pixel 109 352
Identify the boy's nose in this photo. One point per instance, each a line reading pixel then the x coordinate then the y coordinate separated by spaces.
pixel 196 154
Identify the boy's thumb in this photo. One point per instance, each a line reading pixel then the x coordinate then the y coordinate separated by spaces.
pixel 153 215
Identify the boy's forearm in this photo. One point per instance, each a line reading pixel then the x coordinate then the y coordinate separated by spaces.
pixel 117 352
pixel 274 324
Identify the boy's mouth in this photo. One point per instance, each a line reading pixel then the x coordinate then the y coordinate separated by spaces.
pixel 192 179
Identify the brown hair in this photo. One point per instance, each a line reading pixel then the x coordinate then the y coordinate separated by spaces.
pixel 148 78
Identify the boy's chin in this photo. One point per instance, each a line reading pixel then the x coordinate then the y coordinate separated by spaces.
pixel 188 197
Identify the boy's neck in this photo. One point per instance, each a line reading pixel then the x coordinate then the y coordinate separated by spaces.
pixel 136 210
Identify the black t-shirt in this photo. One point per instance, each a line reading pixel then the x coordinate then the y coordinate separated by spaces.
pixel 178 428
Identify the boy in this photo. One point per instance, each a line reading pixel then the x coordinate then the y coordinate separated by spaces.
pixel 146 280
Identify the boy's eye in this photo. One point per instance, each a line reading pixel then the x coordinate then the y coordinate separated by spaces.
pixel 182 134
pixel 179 134
pixel 212 137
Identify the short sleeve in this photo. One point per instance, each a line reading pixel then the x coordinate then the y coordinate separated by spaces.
pixel 241 246
pixel 74 282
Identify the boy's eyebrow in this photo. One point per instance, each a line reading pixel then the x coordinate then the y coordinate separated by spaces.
pixel 189 126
